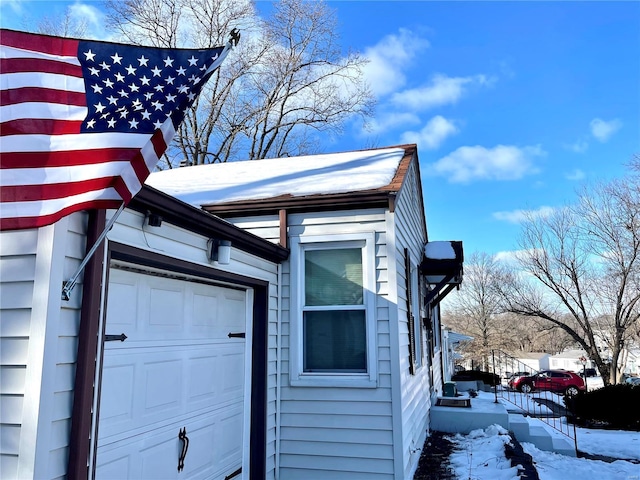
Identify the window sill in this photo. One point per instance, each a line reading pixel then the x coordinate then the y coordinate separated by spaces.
pixel 311 380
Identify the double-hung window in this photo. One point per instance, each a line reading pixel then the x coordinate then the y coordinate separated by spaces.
pixel 332 315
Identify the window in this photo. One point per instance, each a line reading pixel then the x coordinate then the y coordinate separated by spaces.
pixel 414 325
pixel 332 334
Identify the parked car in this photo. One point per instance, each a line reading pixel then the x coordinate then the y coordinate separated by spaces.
pixel 589 372
pixel 633 380
pixel 559 381
pixel 518 374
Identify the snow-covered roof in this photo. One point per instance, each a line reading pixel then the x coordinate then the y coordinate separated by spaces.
pixel 295 176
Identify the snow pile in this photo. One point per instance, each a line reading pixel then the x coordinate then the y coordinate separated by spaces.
pixel 480 454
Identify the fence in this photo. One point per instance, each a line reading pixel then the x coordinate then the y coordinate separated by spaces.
pixel 514 388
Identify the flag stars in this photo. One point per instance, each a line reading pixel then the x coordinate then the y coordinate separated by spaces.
pixel 157 124
pixel 119 77
pixel 91 123
pixel 123 93
pixel 105 66
pixel 112 100
pixel 99 107
pixel 193 61
pixel 133 124
pixel 181 71
pixel 111 123
pixel 96 88
pixel 146 115
pixel 134 88
pixel 108 83
pixel 116 59
pixel 171 98
pixel 143 61
pixel 89 56
pixel 94 71
pixel 159 88
pixel 156 71
pixel 158 105
pixel 169 80
pixel 168 62
pixel 131 70
pixel 183 89
pixel 148 95
pixel 194 79
pixel 144 80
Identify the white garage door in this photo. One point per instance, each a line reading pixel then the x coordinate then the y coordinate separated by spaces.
pixel 178 369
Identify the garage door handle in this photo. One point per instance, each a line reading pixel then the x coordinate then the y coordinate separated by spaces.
pixel 185 446
pixel 237 335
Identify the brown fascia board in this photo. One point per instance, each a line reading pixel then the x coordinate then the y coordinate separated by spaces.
pixel 190 218
pixel 383 197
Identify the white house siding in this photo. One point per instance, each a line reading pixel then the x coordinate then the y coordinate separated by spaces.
pixel 414 389
pixel 179 243
pixel 329 432
pixel 38 346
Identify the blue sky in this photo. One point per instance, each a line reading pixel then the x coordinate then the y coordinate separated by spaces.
pixel 513 105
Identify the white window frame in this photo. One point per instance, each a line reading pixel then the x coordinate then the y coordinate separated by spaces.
pixel 297 375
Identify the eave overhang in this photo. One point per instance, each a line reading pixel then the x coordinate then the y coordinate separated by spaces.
pixel 176 212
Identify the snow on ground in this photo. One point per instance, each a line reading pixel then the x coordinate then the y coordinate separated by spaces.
pixel 480 454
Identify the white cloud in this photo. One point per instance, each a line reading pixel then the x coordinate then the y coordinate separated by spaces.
pixel 518 216
pixel 391 120
pixel 575 175
pixel 603 130
pixel 580 146
pixel 502 162
pixel 441 90
pixel 432 134
pixel 389 58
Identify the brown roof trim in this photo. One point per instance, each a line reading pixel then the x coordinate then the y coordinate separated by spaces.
pixel 383 197
pixel 193 219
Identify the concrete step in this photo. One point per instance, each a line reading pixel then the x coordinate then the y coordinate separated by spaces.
pixel 531 430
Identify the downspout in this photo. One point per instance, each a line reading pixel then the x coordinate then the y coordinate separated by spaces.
pixel 81 417
pixel 278 368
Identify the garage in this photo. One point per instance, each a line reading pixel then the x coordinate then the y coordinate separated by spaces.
pixel 172 397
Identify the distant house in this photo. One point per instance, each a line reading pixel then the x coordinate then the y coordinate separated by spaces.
pixel 452 342
pixel 534 360
pixel 570 360
pixel 297 337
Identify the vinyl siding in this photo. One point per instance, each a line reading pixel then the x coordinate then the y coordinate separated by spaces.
pixel 415 394
pixel 335 432
pixel 182 244
pixel 37 354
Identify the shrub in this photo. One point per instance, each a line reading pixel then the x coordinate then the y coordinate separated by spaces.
pixel 614 406
pixel 472 375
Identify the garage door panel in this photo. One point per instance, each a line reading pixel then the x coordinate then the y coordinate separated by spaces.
pixel 208 454
pixel 177 368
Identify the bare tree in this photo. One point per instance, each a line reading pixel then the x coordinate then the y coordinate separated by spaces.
pixel 579 271
pixel 66 25
pixel 279 93
pixel 476 307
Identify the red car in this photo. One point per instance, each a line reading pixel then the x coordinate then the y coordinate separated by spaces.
pixel 560 381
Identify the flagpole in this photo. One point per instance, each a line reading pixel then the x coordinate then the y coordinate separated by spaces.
pixel 71 283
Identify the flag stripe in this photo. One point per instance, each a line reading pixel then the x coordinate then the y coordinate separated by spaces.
pixel 41 220
pixel 30 193
pixel 44 143
pixel 41 95
pixel 39 126
pixel 65 159
pixel 40 43
pixel 53 81
pixel 50 111
pixel 76 173
pixel 20 65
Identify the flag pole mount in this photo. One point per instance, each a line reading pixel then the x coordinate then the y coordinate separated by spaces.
pixel 71 283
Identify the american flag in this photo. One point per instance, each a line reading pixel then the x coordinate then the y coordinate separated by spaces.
pixel 83 123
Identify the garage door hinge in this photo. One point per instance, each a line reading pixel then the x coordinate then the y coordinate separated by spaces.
pixel 112 338
pixel 237 335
